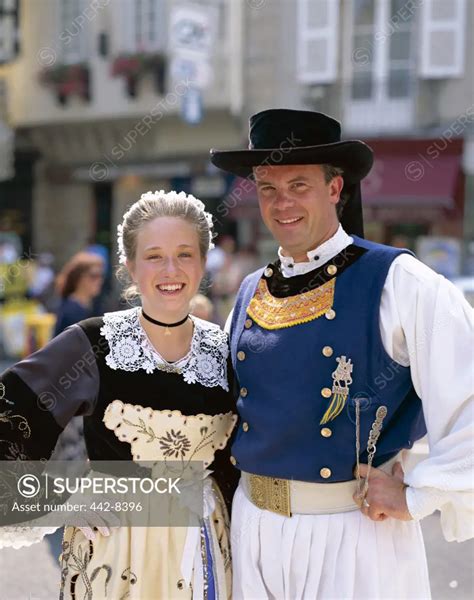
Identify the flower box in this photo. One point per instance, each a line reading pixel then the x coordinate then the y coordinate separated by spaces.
pixel 68 80
pixel 135 66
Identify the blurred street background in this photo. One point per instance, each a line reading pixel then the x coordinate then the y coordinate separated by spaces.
pixel 102 100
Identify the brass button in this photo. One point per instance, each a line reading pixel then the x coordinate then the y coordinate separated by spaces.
pixel 268 272
pixel 248 323
pixel 245 426
pixel 243 392
pixel 233 460
pixel 241 355
pixel 331 270
pixel 331 314
pixel 326 432
pixel 328 351
pixel 326 392
pixel 325 473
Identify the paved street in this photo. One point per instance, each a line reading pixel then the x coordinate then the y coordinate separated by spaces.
pixel 33 573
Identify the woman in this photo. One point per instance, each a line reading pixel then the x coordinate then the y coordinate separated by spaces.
pixel 78 284
pixel 157 359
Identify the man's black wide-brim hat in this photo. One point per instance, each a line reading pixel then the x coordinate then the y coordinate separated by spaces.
pixel 296 137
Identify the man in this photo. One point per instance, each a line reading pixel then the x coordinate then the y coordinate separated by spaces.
pixel 346 352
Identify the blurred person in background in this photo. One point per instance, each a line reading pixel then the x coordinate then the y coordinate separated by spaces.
pixel 202 307
pixel 226 279
pixel 42 282
pixel 104 301
pixel 78 284
pixel 216 258
pixel 8 252
pixel 94 247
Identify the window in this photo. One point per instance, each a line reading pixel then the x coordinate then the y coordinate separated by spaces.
pixel 400 61
pixel 443 28
pixel 143 25
pixel 363 46
pixel 381 90
pixel 8 30
pixel 73 31
pixel 318 25
pixel 382 48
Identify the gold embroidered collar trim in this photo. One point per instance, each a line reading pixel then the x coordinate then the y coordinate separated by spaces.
pixel 276 313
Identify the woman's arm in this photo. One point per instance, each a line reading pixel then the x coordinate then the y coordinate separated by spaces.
pixel 40 395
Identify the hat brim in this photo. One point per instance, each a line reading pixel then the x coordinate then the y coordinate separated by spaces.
pixel 353 156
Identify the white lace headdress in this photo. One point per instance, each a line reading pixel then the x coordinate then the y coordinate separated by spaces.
pixel 162 195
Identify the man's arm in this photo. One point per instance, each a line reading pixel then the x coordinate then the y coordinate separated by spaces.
pixel 428 324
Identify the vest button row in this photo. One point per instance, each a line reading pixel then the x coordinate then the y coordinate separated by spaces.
pixel 248 323
pixel 331 269
pixel 326 432
pixel 243 392
pixel 326 392
pixel 241 355
pixel 325 473
pixel 245 426
pixel 330 315
pixel 268 272
pixel 327 351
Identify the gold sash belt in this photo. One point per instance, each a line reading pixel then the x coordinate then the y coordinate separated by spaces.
pixel 288 496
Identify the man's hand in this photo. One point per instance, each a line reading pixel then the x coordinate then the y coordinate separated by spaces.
pixel 386 495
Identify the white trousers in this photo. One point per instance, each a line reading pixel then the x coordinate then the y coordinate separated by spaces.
pixel 342 556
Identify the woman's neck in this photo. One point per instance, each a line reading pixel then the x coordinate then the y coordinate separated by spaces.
pixel 172 343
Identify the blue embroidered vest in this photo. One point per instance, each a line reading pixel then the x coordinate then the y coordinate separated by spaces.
pixel 285 366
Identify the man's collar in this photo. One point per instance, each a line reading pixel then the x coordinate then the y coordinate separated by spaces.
pixel 316 257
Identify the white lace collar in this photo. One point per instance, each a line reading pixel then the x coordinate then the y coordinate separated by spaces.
pixel 131 350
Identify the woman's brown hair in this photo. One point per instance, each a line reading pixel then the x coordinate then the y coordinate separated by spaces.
pixel 81 263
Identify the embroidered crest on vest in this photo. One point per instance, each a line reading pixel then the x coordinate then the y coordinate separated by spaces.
pixel 276 313
pixel 340 389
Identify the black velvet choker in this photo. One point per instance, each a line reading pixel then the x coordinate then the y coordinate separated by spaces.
pixel 155 322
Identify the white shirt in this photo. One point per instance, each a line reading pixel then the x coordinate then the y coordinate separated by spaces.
pixel 427 324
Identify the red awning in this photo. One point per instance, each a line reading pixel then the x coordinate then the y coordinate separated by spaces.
pixel 412 180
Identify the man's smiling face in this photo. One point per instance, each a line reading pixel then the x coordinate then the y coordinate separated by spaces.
pixel 298 206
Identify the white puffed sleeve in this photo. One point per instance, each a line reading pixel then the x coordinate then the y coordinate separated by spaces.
pixel 19 537
pixel 427 323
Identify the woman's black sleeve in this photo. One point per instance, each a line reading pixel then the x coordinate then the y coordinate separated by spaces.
pixel 40 394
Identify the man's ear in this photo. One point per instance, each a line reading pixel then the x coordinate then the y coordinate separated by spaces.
pixel 335 188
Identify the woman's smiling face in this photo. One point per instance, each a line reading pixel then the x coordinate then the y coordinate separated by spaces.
pixel 168 267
